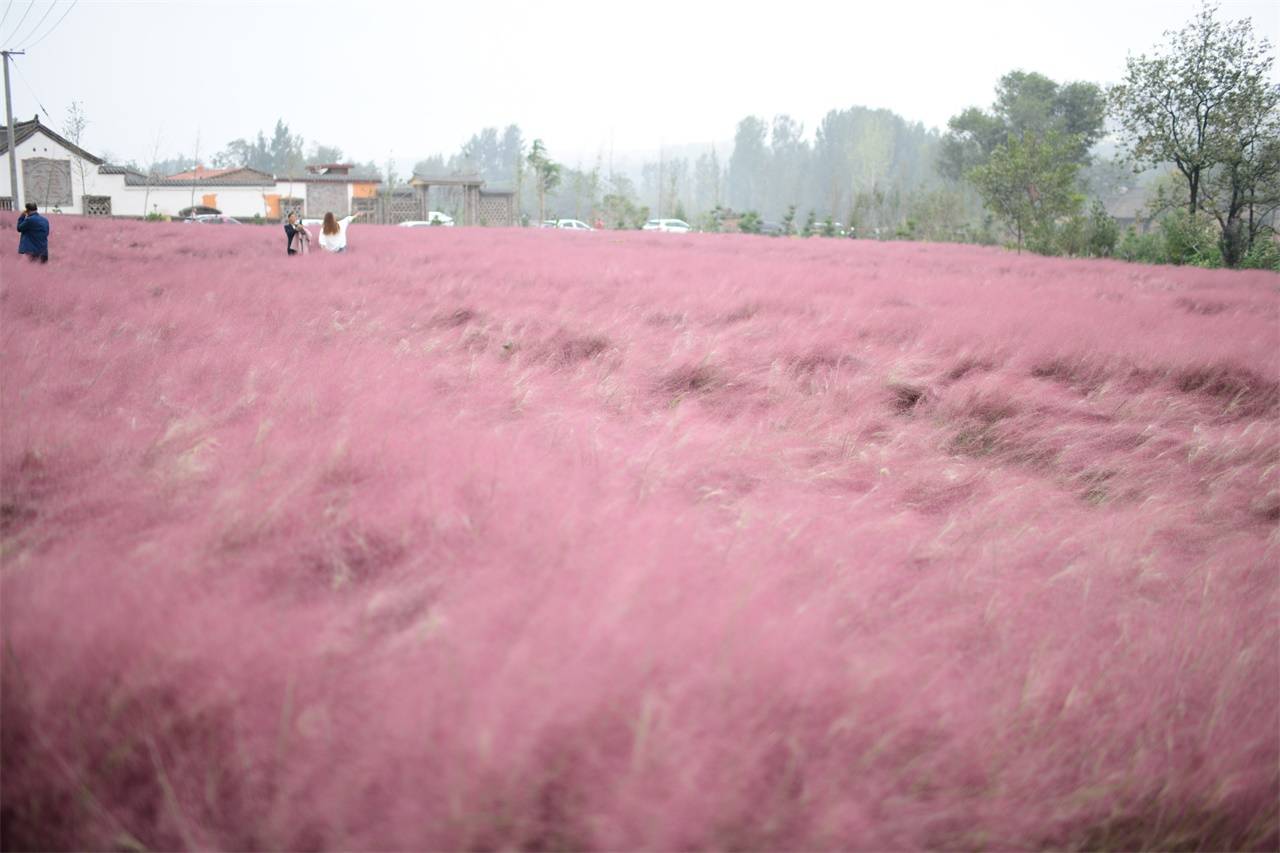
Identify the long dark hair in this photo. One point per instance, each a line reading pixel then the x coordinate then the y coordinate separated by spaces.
pixel 330 226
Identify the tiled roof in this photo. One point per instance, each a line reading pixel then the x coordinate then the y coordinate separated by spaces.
pixel 235 176
pixel 201 173
pixel 446 180
pixel 326 179
pixel 1131 204
pixel 134 178
pixel 111 169
pixel 24 130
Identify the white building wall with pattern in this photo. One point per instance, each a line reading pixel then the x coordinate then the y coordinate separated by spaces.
pixel 40 147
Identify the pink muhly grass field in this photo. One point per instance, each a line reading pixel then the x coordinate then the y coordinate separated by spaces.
pixel 486 539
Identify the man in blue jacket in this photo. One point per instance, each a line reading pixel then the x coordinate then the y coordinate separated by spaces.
pixel 34 229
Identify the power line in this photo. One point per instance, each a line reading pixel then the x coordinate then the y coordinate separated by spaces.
pixel 39 23
pixel 56 23
pixel 6 12
pixel 34 96
pixel 24 17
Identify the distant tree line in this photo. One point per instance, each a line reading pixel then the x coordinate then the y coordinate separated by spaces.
pixel 284 153
pixel 1198 125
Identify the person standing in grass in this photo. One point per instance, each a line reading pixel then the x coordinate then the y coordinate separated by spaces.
pixel 333 234
pixel 34 229
pixel 297 237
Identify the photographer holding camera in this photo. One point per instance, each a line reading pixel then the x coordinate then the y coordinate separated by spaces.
pixel 34 229
pixel 297 237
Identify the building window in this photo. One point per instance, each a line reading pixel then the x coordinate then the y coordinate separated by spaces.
pixel 290 205
pixel 367 206
pixel 6 203
pixel 97 205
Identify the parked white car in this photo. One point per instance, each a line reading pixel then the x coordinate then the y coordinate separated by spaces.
pixel 573 225
pixel 211 219
pixel 672 226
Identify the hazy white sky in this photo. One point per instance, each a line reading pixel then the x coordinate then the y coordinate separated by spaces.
pixel 386 78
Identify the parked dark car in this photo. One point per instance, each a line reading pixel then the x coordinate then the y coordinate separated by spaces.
pixel 772 229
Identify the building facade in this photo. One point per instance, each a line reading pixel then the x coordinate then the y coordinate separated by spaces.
pixel 61 177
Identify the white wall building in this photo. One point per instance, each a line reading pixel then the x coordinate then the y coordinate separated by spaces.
pixel 52 171
pixel 61 177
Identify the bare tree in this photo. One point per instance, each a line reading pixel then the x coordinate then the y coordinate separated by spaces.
pixel 73 129
pixel 151 173
pixel 195 170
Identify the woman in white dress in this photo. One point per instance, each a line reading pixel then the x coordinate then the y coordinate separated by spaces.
pixel 333 234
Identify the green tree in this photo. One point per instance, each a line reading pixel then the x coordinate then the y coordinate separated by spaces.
pixel 749 223
pixel 939 214
pixel 546 175
pixel 276 156
pixel 582 191
pixel 1196 100
pixel 789 158
pixel 789 221
pixel 748 165
pixel 324 154
pixel 1026 102
pixel 712 222
pixel 810 221
pixel 706 181
pixel 284 150
pixel 618 206
pixel 1028 182
pixel 1242 191
pixel 972 136
pixel 513 155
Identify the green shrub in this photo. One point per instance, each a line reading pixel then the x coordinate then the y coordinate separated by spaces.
pixel 1263 255
pixel 1104 231
pixel 1142 248
pixel 1072 237
pixel 1190 240
pixel 1042 239
pixel 750 223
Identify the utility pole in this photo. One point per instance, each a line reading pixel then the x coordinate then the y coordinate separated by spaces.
pixel 8 118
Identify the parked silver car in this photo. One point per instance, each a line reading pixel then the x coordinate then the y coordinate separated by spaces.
pixel 671 226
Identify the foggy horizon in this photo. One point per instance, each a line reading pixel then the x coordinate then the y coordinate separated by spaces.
pixel 405 82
